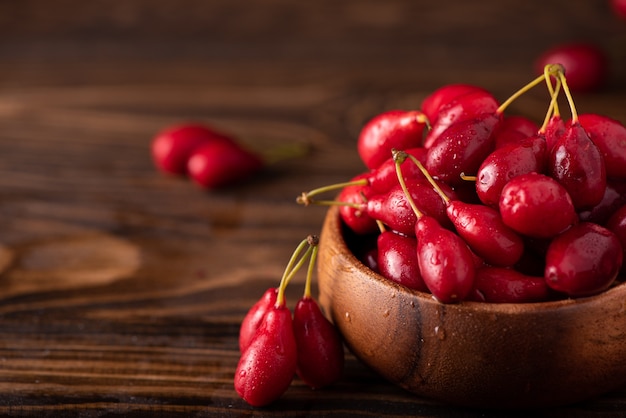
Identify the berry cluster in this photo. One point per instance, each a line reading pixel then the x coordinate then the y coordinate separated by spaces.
pixel 276 346
pixel 210 158
pixel 467 202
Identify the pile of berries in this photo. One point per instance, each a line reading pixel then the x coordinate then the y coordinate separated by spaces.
pixel 467 202
pixel 276 346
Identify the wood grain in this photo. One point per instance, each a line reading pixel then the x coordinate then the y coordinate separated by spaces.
pixel 121 290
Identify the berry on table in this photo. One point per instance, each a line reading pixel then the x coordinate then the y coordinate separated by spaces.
pixel 173 145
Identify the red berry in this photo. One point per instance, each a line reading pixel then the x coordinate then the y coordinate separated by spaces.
pixel 267 367
pixel 467 106
pixel 434 102
pixel 393 208
pixel 576 162
pixel 586 65
pixel 394 129
pixel 219 163
pixel 553 131
pixel 357 218
pixel 482 228
pixel 385 176
pixel 536 205
pixel 445 261
pixel 397 260
pixel 461 148
pixel 506 285
pixel 320 348
pixel 172 147
pixel 614 197
pixel 510 160
pixel 584 260
pixel 609 135
pixel 255 317
pixel 514 129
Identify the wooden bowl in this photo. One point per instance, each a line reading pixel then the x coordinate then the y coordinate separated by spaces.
pixel 473 354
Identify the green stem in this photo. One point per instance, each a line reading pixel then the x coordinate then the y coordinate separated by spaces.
pixel 431 180
pixel 280 297
pixel 313 242
pixel 284 152
pixel 518 93
pixel 305 198
pixel 568 94
pixel 553 108
pixel 399 157
pixel 524 89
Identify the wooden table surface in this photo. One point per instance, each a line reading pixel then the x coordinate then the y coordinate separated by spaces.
pixel 121 289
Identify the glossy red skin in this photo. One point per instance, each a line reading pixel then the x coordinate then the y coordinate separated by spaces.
pixel 439 98
pixel 576 162
pixel 357 219
pixel 464 107
pixel 397 260
pixel 445 261
pixel 614 198
pixel 553 131
pixel 320 348
pixel 393 208
pixel 255 316
pixel 609 135
pixel 537 206
pixel 525 156
pixel 586 65
pixel 385 176
pixel 619 8
pixel 393 129
pixel 506 285
pixel 172 147
pixel 483 230
pixel 370 259
pixel 267 367
pixel 513 129
pixel 462 148
pixel 218 164
pixel 617 225
pixel 584 260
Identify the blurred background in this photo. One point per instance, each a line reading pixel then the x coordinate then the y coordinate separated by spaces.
pixel 308 40
pixel 378 50
pixel 84 87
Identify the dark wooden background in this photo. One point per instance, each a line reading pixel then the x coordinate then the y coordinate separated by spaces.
pixel 122 290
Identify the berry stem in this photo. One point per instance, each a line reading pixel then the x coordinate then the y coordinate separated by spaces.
pixel 284 152
pixel 568 94
pixel 553 108
pixel 313 241
pixel 430 179
pixel 526 88
pixel 306 197
pixel 399 157
pixel 291 269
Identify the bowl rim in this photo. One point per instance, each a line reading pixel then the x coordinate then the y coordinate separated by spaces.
pixel 336 226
